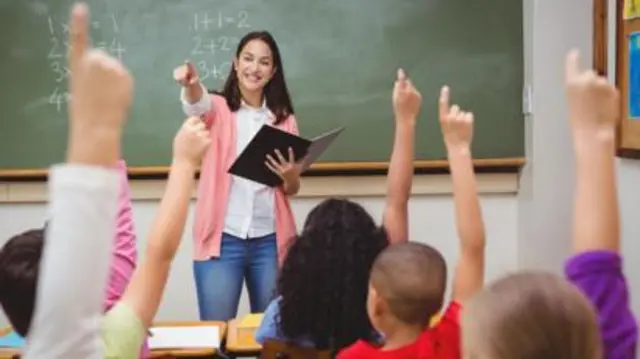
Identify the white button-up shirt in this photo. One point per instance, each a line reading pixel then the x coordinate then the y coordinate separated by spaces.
pixel 251 206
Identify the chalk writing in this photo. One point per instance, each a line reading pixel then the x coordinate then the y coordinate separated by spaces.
pixel 205 21
pixel 213 71
pixel 59 49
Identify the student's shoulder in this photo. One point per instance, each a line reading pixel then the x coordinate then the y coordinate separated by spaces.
pixel 122 333
pixel 592 263
pixel 359 349
pixel 446 332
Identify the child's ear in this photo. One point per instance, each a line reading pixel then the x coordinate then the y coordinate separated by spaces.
pixel 380 306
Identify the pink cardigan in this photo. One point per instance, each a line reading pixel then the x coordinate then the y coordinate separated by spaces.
pixel 215 183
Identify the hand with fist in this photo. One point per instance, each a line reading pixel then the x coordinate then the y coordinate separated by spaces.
pixel 100 95
pixel 187 77
pixel 191 142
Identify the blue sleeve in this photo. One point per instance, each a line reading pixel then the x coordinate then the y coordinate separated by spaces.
pixel 269 327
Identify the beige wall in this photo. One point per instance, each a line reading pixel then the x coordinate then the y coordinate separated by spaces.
pixel 528 218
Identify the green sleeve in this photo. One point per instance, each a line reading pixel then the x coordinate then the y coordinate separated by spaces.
pixel 122 333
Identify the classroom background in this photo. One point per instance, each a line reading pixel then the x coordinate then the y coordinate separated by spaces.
pixel 527 215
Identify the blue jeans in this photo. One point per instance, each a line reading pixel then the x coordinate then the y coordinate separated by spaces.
pixel 219 280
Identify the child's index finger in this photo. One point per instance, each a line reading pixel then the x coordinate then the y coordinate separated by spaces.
pixel 401 75
pixel 78 34
pixel 572 64
pixel 444 101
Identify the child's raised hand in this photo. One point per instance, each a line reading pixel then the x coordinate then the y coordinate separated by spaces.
pixel 456 125
pixel 406 98
pixel 593 101
pixel 100 86
pixel 186 74
pixel 191 142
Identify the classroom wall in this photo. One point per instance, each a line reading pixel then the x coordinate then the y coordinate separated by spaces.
pixel 527 229
pixel 431 220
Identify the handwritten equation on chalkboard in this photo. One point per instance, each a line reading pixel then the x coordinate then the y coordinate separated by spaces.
pixel 211 51
pixel 214 37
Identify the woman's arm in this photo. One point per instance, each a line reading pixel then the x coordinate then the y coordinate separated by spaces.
pixel 195 105
pixel 193 94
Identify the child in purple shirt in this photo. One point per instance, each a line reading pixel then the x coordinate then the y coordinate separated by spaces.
pixel 599 275
pixel 586 315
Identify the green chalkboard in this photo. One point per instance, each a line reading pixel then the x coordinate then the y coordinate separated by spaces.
pixel 340 59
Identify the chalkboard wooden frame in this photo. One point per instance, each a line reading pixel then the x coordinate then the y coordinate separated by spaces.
pixel 628 132
pixel 488 165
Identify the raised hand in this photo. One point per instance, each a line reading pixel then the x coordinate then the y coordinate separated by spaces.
pixel 186 74
pixel 100 96
pixel 594 105
pixel 100 86
pixel 406 98
pixel 456 125
pixel 191 142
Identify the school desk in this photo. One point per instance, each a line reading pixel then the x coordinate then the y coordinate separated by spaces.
pixel 188 353
pixel 240 347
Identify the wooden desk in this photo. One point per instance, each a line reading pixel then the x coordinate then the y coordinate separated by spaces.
pixel 178 353
pixel 235 347
pixel 7 353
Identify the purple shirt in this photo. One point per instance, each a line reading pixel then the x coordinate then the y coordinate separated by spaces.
pixel 599 275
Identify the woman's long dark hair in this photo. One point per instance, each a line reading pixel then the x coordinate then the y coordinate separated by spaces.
pixel 275 92
pixel 324 280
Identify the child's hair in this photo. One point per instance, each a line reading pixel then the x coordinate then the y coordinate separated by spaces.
pixel 530 315
pixel 325 276
pixel 411 278
pixel 19 267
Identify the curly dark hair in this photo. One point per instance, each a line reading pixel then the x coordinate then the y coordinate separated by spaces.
pixel 324 280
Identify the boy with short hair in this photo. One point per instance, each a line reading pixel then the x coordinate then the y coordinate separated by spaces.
pixel 408 281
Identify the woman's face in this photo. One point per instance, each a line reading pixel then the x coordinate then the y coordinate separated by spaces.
pixel 254 66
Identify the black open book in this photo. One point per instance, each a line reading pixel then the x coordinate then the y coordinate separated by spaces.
pixel 251 162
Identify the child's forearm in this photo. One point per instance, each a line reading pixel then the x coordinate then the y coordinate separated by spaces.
pixel 465 194
pixel 400 180
pixel 596 218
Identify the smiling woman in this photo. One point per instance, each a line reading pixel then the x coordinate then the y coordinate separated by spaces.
pixel 241 227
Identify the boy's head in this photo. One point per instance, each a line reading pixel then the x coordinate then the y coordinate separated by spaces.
pixel 407 286
pixel 530 315
pixel 19 266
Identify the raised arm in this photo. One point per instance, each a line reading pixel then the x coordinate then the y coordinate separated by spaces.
pixel 193 94
pixel 124 253
pixel 597 266
pixel 457 132
pixel 406 105
pixel 83 206
pixel 144 293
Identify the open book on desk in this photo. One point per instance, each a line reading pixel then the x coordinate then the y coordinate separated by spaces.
pixel 251 162
pixel 199 337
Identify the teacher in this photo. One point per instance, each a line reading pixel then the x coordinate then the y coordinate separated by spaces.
pixel 242 228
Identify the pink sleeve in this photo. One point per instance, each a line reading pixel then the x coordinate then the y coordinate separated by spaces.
pixel 124 254
pixel 210 116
